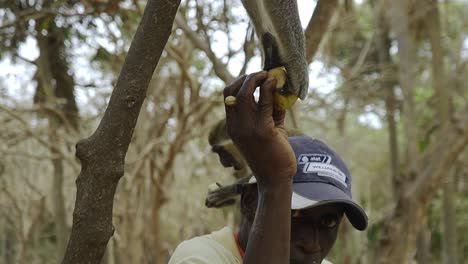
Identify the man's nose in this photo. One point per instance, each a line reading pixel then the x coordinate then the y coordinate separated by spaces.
pixel 310 241
pixel 310 247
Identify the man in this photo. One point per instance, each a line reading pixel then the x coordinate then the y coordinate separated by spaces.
pixel 292 208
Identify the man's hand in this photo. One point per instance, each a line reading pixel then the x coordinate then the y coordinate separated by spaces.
pixel 257 129
pixel 258 132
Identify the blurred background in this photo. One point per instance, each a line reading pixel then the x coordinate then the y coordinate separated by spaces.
pixel 388 90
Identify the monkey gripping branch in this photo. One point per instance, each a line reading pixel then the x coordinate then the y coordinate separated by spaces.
pixel 102 155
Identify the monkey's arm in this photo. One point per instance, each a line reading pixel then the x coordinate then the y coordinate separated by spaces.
pixel 279 29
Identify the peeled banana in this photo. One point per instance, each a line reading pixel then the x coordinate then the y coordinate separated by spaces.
pixel 282 101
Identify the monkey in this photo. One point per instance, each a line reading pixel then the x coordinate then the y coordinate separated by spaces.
pixel 230 156
pixel 279 29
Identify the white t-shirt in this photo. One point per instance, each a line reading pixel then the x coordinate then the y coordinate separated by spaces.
pixel 219 247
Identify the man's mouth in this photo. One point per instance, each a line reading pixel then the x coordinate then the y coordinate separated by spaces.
pixel 314 258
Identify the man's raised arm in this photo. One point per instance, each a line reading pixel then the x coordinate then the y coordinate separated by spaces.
pixel 258 131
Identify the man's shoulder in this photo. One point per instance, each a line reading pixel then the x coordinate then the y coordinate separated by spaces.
pixel 212 248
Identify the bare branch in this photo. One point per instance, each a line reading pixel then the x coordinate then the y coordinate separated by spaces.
pixel 36 14
pixel 218 66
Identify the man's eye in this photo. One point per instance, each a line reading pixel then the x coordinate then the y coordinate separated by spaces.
pixel 329 221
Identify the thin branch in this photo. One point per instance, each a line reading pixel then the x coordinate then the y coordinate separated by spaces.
pixel 33 134
pixel 36 14
pixel 218 66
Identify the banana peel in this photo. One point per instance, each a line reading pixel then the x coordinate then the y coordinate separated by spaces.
pixel 282 101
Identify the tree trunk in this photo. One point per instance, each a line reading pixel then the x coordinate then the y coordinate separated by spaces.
pixel 400 23
pixel 54 82
pixel 387 84
pixel 450 225
pixel 403 251
pixel 9 243
pixel 157 250
pixel 102 155
pixel 59 202
pixel 423 254
pixel 443 111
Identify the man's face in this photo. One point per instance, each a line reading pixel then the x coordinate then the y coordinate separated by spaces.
pixel 313 233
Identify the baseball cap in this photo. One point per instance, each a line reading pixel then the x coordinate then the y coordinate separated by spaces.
pixel 322 178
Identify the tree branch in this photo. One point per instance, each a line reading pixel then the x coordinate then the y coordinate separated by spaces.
pixel 218 66
pixel 103 154
pixel 37 14
pixel 318 26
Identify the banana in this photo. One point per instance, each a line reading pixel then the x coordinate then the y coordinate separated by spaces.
pixel 282 101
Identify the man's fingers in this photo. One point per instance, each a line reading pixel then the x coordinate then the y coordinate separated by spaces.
pixel 230 93
pixel 234 87
pixel 250 84
pixel 266 104
pixel 278 117
pixel 265 101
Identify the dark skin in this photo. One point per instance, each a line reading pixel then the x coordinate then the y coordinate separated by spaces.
pixel 313 231
pixel 271 233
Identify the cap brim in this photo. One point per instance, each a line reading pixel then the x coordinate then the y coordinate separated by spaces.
pixel 312 194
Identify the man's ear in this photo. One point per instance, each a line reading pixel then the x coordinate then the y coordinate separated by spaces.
pixel 249 199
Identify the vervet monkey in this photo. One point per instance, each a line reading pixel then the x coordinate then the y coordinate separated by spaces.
pixel 229 155
pixel 279 29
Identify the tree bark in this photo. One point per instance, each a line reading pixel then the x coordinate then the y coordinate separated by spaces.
pixel 318 26
pixel 102 155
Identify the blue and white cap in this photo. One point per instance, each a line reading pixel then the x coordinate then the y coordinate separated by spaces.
pixel 322 178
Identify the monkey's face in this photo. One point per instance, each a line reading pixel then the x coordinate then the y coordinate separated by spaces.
pixel 229 156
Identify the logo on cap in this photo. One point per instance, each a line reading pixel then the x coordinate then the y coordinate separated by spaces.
pixel 321 158
pixel 320 165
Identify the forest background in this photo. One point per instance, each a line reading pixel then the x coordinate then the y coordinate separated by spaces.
pixel 388 91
